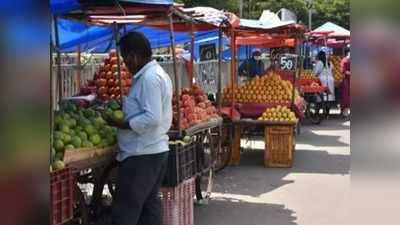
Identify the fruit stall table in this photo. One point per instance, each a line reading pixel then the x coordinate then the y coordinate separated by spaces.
pixel 279 145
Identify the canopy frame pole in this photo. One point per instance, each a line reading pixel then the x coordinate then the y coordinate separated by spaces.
pixel 220 52
pixel 177 79
pixel 233 68
pixel 58 59
pixel 116 39
pixel 191 53
pixel 299 66
pixel 51 97
pixel 79 65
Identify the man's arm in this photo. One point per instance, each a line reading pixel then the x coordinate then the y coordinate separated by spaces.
pixel 152 106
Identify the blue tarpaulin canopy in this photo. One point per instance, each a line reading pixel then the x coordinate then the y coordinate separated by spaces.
pixel 99 39
pixel 59 7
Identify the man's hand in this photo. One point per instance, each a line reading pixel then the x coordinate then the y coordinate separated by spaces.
pixel 118 124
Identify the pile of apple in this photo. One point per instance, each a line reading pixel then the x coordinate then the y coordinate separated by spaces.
pixel 194 107
pixel 106 79
pixel 269 88
pixel 337 74
pixel 279 114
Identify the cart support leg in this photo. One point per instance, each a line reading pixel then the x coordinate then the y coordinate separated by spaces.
pixel 235 157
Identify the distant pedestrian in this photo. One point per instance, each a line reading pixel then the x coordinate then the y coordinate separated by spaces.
pixel 345 88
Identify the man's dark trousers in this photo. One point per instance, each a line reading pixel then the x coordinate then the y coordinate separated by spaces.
pixel 137 199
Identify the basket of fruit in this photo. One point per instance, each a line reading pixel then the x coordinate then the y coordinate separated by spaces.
pixel 82 133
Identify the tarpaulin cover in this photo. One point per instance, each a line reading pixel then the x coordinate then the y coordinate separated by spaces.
pixel 100 38
pixel 333 29
pixel 64 6
pixel 265 42
pixel 257 24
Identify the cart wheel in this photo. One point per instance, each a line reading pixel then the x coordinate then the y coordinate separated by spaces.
pixel 81 209
pixel 206 161
pixel 314 113
pixel 104 178
pixel 203 186
pixel 298 128
pixel 224 146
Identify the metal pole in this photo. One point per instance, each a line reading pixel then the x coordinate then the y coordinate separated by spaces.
pixel 58 59
pixel 51 98
pixel 233 68
pixel 116 38
pixel 240 8
pixel 220 52
pixel 79 69
pixel 191 54
pixel 299 63
pixel 177 79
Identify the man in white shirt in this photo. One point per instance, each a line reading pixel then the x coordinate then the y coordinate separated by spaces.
pixel 142 137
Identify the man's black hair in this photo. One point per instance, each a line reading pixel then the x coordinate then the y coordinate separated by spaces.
pixel 322 57
pixel 135 43
pixel 346 50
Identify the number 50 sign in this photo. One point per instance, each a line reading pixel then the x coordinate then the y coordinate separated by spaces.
pixel 288 62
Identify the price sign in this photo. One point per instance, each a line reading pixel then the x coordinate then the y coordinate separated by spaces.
pixel 208 52
pixel 288 62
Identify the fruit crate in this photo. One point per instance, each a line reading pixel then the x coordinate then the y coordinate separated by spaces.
pixel 279 146
pixel 87 156
pixel 182 164
pixel 177 203
pixel 61 196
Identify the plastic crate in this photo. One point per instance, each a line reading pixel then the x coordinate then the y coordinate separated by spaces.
pixel 279 146
pixel 61 196
pixel 181 164
pixel 177 203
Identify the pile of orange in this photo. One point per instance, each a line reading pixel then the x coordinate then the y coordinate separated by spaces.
pixel 337 74
pixel 269 88
pixel 278 114
pixel 307 75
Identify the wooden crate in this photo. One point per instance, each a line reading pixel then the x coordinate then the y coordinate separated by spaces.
pixel 279 146
pixel 88 156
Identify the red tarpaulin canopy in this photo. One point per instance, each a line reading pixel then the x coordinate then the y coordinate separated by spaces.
pixel 266 41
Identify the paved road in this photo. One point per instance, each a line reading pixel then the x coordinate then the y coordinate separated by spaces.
pixel 313 192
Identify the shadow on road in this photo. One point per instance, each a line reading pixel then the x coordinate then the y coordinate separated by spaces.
pixel 260 180
pixel 314 139
pixel 228 211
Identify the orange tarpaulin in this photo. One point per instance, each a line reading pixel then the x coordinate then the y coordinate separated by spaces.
pixel 266 42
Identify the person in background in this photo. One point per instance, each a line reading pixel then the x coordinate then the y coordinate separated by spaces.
pixel 323 70
pixel 345 88
pixel 252 67
pixel 142 136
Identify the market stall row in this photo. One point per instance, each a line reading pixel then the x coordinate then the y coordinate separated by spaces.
pixel 201 141
pixel 82 137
